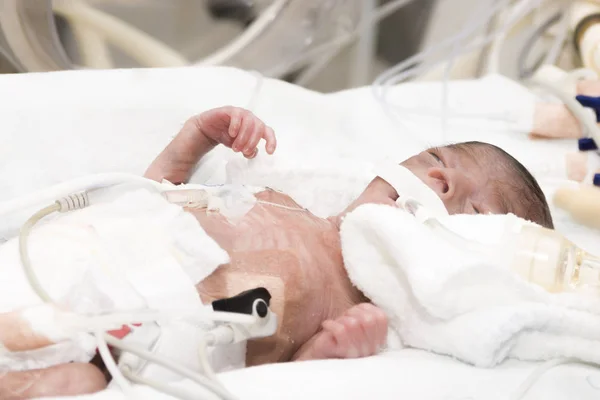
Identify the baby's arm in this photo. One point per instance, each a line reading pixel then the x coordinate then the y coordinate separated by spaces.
pixel 233 127
pixel 359 332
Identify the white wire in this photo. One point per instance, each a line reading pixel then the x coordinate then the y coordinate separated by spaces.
pixel 110 364
pixel 401 71
pixel 554 52
pixel 333 47
pixel 469 29
pixel 104 339
pixel 577 109
pixel 365 52
pixel 537 373
pixel 166 363
pixel 249 35
pixel 145 49
pixel 402 66
pixel 115 320
pixel 88 183
pixel 203 344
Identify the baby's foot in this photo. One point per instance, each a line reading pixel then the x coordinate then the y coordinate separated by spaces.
pixel 359 332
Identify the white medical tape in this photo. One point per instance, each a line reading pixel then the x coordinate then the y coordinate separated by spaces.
pixel 409 185
pixel 44 321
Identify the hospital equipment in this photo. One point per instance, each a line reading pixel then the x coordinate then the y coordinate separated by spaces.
pixel 306 26
pixel 238 319
pixel 540 255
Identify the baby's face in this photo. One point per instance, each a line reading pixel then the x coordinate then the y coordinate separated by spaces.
pixel 466 183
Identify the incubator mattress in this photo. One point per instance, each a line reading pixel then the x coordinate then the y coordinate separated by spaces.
pixel 65 125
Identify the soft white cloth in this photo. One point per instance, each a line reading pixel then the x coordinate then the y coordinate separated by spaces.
pixel 135 252
pixel 443 299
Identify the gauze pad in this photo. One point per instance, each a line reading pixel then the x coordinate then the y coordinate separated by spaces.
pixel 133 253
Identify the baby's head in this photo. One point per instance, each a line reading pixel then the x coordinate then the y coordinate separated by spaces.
pixel 476 177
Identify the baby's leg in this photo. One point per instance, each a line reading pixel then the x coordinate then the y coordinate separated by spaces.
pixel 60 380
pixel 360 332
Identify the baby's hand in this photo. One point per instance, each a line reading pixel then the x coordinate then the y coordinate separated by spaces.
pixel 360 332
pixel 237 129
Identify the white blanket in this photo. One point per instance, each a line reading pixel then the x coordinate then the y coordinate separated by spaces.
pixel 66 125
pixel 447 300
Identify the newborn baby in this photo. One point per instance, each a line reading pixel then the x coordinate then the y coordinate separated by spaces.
pixel 297 256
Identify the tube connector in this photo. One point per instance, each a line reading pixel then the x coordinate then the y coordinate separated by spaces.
pixel 75 201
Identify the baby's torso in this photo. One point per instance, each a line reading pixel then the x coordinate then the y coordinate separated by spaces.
pixel 289 251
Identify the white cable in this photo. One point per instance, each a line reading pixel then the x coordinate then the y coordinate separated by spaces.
pixel 147 50
pixel 399 68
pixel 313 70
pixel 203 358
pixel 17 38
pixel 113 320
pixel 394 76
pixel 93 49
pixel 469 29
pixel 221 335
pixel 554 52
pixel 577 109
pixel 30 274
pixel 87 183
pixel 365 51
pixel 537 373
pixel 111 366
pixel 81 200
pixel 280 206
pixel 247 37
pixel 333 47
pixel 254 96
pixel 166 363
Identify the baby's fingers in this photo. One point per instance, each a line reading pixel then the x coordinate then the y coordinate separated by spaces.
pixel 250 149
pixel 245 132
pixel 235 122
pixel 269 136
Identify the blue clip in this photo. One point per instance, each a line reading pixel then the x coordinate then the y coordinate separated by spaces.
pixel 597 180
pixel 590 102
pixel 587 144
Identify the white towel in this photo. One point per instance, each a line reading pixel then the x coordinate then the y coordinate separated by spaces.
pixel 445 300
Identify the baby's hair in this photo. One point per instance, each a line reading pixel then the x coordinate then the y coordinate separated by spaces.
pixel 530 194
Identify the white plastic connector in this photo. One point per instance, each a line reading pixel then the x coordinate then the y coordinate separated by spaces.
pixel 73 202
pixel 188 197
pixel 221 335
pixel 263 326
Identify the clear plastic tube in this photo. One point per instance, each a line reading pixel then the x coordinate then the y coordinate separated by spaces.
pixel 433 49
pixel 410 67
pixel 469 30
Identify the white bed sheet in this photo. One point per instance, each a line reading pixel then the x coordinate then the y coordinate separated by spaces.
pixel 59 126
